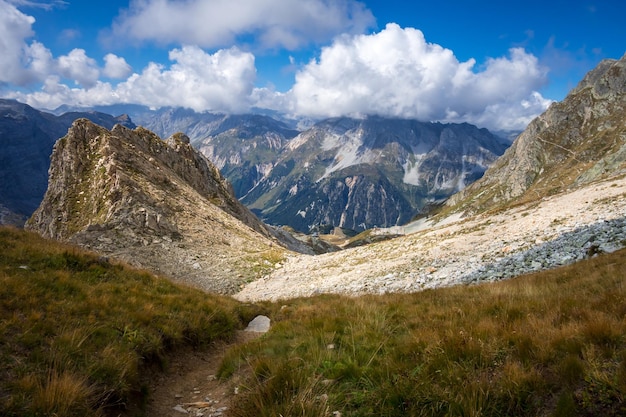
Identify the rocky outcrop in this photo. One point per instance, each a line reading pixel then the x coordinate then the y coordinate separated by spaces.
pixel 156 204
pixel 26 140
pixel 577 141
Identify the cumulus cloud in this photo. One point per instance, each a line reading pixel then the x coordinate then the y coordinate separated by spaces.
pixel 79 67
pixel 394 72
pixel 15 27
pixel 273 23
pixel 116 67
pixel 23 64
pixel 397 73
pixel 221 82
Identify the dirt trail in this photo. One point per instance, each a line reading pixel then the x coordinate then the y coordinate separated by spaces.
pixel 190 387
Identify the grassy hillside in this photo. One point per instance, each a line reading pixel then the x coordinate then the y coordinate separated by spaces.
pixel 551 344
pixel 76 331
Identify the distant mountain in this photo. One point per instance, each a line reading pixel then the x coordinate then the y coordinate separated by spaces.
pixel 26 140
pixel 372 172
pixel 574 142
pixel 156 204
pixel 246 148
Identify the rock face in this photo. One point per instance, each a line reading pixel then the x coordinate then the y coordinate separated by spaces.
pixel 26 140
pixel 155 204
pixel 245 148
pixel 374 172
pixel 576 141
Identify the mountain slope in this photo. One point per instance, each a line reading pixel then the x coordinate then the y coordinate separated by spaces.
pixel 26 140
pixel 156 204
pixel 373 172
pixel 576 141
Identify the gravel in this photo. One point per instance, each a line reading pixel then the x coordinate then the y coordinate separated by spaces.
pixel 557 230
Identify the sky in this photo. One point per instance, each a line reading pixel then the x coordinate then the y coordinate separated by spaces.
pixel 495 64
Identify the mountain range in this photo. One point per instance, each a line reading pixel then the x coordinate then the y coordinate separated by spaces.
pixel 372 172
pixel 349 173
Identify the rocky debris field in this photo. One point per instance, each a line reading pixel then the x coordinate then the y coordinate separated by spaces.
pixel 551 232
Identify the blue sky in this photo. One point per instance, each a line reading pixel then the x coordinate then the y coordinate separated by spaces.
pixel 494 64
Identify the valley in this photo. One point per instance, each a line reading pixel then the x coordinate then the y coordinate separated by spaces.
pixel 455 250
pixel 506 299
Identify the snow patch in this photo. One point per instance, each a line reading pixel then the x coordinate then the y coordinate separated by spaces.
pixel 350 152
pixel 412 174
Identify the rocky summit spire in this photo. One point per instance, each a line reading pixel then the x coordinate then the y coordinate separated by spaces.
pixel 155 204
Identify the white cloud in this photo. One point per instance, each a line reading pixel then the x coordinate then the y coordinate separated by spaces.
pixel 219 23
pixel 15 27
pixel 46 5
pixel 221 82
pixel 116 67
pixel 391 73
pixel 397 73
pixel 77 66
pixel 23 64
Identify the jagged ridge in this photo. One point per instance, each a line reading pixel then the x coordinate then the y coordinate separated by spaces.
pixel 157 204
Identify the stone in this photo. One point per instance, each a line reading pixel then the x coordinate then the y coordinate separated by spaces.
pixel 260 324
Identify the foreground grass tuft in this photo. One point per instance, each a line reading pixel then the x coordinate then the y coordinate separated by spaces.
pixel 76 330
pixel 548 344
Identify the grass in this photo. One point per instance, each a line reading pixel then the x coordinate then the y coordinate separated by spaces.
pixel 77 331
pixel 546 344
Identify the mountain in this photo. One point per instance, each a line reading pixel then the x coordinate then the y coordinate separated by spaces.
pixel 245 148
pixel 372 172
pixel 577 141
pixel 26 140
pixel 359 173
pixel 155 204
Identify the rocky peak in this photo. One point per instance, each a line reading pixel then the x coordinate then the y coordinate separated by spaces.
pixel 156 204
pixel 27 136
pixel 574 142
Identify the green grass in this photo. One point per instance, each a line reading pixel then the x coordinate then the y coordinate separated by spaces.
pixel 77 331
pixel 547 344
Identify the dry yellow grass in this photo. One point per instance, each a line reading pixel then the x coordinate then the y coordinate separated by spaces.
pixel 547 344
